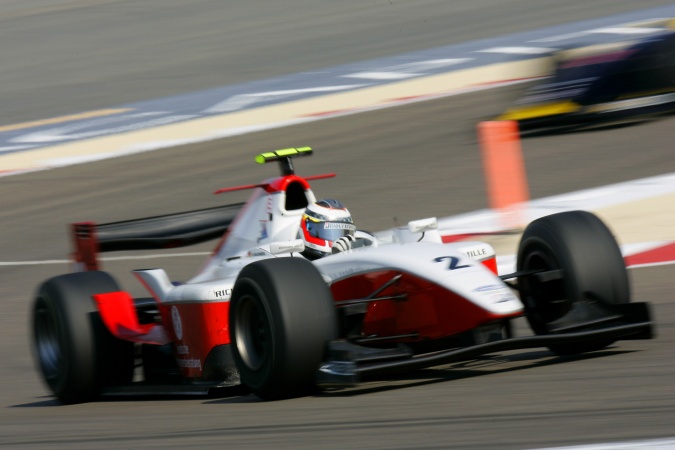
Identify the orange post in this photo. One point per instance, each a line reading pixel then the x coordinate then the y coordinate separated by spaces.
pixel 504 167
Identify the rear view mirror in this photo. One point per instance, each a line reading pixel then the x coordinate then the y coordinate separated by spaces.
pixel 422 225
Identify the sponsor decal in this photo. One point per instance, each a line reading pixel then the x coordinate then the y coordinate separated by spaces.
pixel 351 271
pixel 182 349
pixel 222 293
pixel 489 288
pixel 345 271
pixel 496 291
pixel 339 368
pixel 342 274
pixel 268 205
pixel 189 363
pixel 177 323
pixel 281 248
pixel 263 230
pixel 548 97
pixel 339 226
pixel 476 253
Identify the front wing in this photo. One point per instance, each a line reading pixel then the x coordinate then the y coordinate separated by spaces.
pixel 348 363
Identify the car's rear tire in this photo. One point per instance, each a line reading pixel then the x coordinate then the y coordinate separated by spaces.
pixel 282 318
pixel 581 245
pixel 74 351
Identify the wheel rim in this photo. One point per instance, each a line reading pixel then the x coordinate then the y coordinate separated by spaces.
pixel 47 343
pixel 548 301
pixel 252 332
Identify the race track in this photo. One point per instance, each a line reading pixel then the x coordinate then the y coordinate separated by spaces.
pixel 393 165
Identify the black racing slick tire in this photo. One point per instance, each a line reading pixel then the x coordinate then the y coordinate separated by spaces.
pixel 581 246
pixel 75 353
pixel 282 317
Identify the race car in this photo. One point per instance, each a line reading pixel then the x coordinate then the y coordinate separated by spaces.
pixel 261 315
pixel 600 86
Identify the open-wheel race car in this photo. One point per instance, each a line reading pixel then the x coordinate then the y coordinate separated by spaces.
pixel 601 86
pixel 262 314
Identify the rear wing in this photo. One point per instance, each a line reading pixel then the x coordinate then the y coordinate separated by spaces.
pixel 159 232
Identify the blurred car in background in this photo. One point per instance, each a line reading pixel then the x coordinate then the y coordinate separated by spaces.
pixel 601 85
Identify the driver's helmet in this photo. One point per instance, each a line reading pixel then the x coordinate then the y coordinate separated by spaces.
pixel 323 223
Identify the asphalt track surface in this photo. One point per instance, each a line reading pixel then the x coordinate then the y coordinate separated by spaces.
pixel 393 165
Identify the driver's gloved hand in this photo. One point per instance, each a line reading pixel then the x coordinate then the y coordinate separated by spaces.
pixel 343 244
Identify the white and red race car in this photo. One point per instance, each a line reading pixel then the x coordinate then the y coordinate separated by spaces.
pixel 261 315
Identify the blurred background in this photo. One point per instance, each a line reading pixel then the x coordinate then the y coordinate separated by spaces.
pixel 94 77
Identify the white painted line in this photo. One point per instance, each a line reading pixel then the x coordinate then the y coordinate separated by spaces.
pixel 652 444
pixel 488 221
pixel 34 263
pixel 560 37
pixel 108 258
pixel 237 102
pixel 409 70
pixel 159 255
pixel 381 75
pixel 505 263
pixel 626 30
pixel 517 50
pixel 136 121
pixel 632 249
pixel 62 119
pixel 13 148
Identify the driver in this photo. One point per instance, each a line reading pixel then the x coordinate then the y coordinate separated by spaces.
pixel 326 228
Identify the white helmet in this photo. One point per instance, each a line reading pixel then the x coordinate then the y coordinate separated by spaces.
pixel 323 223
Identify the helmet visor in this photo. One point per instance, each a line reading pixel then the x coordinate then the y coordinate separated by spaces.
pixel 330 231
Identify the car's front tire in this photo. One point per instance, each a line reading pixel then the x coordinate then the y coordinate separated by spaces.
pixel 282 318
pixel 593 270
